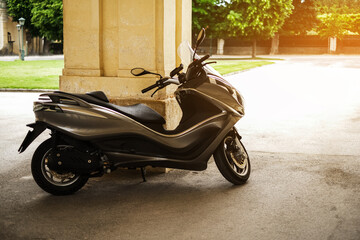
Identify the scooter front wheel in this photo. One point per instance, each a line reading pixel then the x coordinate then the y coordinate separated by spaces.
pixel 232 159
pixel 49 180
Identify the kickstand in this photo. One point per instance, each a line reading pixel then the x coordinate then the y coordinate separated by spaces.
pixel 143 174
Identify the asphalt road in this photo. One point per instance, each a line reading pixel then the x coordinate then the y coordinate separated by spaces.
pixel 302 133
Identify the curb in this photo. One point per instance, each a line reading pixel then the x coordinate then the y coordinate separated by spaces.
pixel 245 70
pixel 26 90
pixel 234 73
pixel 10 58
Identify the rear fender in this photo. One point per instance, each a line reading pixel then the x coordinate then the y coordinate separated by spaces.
pixel 38 128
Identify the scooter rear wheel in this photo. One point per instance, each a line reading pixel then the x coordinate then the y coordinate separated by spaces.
pixel 232 159
pixel 49 180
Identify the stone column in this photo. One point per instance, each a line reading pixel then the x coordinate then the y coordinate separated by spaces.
pixel 105 39
pixel 220 46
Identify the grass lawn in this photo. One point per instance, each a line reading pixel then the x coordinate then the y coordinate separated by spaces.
pixel 229 66
pixel 31 74
pixel 44 74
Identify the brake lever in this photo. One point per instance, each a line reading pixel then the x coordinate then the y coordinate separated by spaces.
pixel 209 63
pixel 157 90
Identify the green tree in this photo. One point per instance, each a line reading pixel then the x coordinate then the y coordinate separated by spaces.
pixel 333 25
pixel 43 18
pixel 212 15
pixel 47 17
pixel 22 8
pixel 338 17
pixel 343 6
pixel 302 19
pixel 258 19
pixel 354 23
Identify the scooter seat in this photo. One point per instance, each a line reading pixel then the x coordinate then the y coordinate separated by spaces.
pixel 139 112
pixel 99 95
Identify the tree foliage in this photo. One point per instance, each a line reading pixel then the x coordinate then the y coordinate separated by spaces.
pixel 342 6
pixel 210 14
pixel 354 23
pixel 258 19
pixel 303 18
pixel 43 18
pixel 338 21
pixel 47 17
pixel 332 25
pixel 22 8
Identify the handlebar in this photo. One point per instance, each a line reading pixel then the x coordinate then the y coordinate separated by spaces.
pixel 160 83
pixel 176 70
pixel 150 87
pixel 204 58
pixel 197 62
pixel 163 82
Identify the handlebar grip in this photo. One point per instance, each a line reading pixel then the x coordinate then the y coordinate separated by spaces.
pixel 204 58
pixel 149 88
pixel 176 70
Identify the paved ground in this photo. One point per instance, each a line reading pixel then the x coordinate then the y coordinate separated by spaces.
pixel 305 104
pixel 302 132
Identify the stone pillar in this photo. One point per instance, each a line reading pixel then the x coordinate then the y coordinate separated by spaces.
pixel 183 23
pixel 332 45
pixel 220 46
pixel 105 39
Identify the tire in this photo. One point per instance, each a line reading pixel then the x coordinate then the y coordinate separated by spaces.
pixel 50 181
pixel 232 159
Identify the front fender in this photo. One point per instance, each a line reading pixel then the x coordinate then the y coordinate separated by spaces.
pixel 38 128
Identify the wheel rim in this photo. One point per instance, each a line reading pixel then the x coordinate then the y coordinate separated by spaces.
pixel 57 179
pixel 236 157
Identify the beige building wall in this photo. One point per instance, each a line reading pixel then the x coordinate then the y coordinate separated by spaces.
pixel 35 46
pixel 3 26
pixel 7 26
pixel 10 27
pixel 105 39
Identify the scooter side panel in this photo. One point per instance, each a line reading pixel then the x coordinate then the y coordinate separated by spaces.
pixel 196 163
pixel 103 123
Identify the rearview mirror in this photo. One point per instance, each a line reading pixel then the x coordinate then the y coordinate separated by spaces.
pixel 139 71
pixel 200 38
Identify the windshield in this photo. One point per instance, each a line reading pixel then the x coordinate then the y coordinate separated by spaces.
pixel 186 53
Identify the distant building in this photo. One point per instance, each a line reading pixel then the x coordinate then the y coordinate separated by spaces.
pixel 9 36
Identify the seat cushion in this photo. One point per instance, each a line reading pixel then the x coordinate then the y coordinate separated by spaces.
pixel 138 112
pixel 99 95
pixel 141 113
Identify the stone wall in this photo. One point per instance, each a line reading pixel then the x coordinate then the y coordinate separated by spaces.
pixel 288 45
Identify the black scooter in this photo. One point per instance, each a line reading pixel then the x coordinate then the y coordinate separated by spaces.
pixel 90 136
